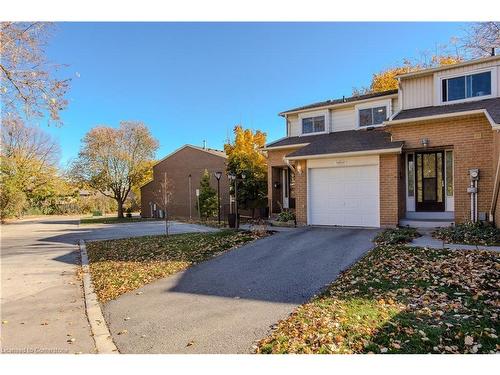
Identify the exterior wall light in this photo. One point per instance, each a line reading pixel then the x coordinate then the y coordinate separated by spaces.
pixel 425 142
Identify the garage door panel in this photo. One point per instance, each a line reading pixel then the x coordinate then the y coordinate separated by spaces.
pixel 346 195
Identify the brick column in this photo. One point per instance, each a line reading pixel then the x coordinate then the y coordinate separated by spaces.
pixel 389 192
pixel 301 194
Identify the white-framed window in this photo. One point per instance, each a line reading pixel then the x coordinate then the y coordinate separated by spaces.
pixel 467 86
pixel 313 124
pixel 372 116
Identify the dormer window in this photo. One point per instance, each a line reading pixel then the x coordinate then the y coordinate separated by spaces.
pixel 466 86
pixel 313 125
pixel 372 116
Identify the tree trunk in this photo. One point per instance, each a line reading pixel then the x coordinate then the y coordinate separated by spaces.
pixel 120 208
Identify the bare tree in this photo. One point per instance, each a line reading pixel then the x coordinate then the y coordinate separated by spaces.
pixel 112 160
pixel 482 38
pixel 28 81
pixel 162 197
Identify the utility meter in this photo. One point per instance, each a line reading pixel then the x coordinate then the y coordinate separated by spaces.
pixel 474 174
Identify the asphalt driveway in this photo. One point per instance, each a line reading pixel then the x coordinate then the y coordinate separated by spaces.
pixel 224 305
pixel 41 301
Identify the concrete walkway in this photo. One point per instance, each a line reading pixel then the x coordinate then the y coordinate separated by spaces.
pixel 42 309
pixel 225 304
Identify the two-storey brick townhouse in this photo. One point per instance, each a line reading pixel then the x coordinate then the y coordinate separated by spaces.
pixel 184 169
pixel 407 156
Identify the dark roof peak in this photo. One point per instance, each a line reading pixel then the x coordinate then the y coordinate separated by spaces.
pixel 350 99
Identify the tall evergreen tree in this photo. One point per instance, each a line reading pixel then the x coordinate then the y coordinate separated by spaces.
pixel 207 198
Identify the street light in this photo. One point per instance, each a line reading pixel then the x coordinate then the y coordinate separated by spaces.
pixel 218 175
pixel 234 178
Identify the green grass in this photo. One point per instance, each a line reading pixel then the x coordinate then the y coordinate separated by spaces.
pixel 400 300
pixel 120 266
pixel 470 234
pixel 394 236
pixel 114 220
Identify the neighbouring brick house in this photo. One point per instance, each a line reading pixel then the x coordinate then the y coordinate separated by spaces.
pixel 184 168
pixel 397 157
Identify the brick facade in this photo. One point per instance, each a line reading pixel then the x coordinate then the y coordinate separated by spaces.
pixel 471 139
pixel 474 145
pixel 185 162
pixel 301 194
pixel 496 159
pixel 389 189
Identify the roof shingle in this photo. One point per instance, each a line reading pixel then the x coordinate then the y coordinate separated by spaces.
pixel 340 142
pixel 492 106
pixel 342 100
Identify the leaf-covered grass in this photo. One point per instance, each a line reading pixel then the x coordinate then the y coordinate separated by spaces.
pixel 395 236
pixel 114 220
pixel 400 300
pixel 120 266
pixel 469 233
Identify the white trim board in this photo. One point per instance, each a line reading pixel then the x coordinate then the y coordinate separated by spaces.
pixel 397 150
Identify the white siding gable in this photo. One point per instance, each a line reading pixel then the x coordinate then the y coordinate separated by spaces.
pixel 343 119
pixel 425 90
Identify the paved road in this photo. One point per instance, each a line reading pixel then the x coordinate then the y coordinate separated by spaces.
pixel 224 305
pixel 41 297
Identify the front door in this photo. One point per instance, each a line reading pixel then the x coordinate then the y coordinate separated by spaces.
pixel 429 180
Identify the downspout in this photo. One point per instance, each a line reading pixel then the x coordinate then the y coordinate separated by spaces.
pixel 496 188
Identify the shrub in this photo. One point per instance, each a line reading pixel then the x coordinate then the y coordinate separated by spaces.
pixel 469 233
pixel 285 216
pixel 97 213
pixel 394 236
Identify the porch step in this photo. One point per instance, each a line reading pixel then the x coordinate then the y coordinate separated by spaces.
pixel 412 215
pixel 425 223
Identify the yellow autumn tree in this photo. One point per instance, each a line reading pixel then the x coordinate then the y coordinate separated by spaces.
pixel 245 156
pixel 386 79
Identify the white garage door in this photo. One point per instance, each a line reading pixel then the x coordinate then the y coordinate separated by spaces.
pixel 347 195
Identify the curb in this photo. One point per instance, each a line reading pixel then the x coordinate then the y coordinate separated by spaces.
pixel 102 337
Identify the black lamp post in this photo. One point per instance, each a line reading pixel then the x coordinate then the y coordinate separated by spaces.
pixel 218 175
pixel 234 178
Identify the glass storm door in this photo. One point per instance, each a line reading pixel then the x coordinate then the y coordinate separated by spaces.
pixel 430 181
pixel 285 182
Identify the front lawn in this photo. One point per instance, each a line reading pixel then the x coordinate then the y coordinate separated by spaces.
pixel 400 300
pixel 119 266
pixel 113 220
pixel 469 233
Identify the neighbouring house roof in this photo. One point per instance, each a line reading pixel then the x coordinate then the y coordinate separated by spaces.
pixel 341 101
pixel 491 106
pixel 349 141
pixel 212 151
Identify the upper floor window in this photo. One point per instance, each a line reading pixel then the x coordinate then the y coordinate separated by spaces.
pixel 372 116
pixel 467 86
pixel 313 124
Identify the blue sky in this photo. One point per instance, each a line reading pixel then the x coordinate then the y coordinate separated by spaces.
pixel 191 82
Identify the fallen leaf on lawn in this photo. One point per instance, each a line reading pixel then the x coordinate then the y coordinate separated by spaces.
pixel 469 340
pixel 190 343
pixel 122 332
